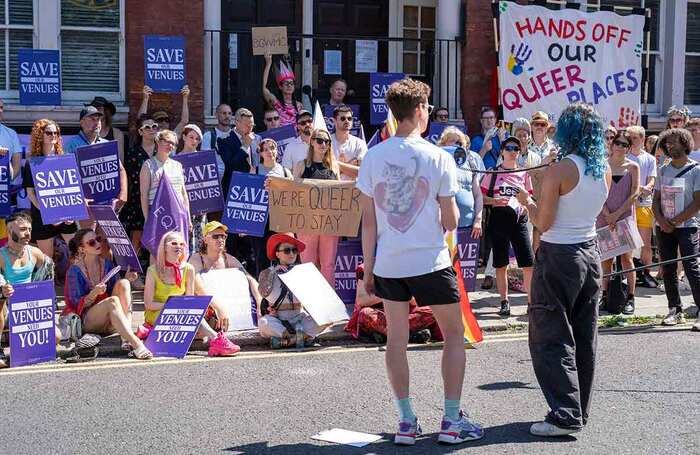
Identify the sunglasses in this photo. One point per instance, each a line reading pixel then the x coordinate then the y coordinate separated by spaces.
pixel 288 83
pixel 219 236
pixel 539 125
pixel 511 148
pixel 272 119
pixel 51 133
pixel 621 144
pixel 289 250
pixel 150 126
pixel 429 107
pixel 675 120
pixel 165 141
pixel 94 242
pixel 345 119
pixel 321 141
pixel 176 244
pixel 305 122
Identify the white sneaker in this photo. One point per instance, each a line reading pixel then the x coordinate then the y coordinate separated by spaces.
pixel 696 326
pixel 673 317
pixel 460 430
pixel 549 430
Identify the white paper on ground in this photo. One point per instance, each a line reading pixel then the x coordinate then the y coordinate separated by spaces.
pixel 351 438
pixel 315 294
pixel 230 287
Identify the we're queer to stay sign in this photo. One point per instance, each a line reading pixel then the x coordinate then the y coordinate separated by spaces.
pixel 164 62
pixel 39 77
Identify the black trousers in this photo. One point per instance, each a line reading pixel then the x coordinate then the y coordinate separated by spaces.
pixel 563 318
pixel 685 240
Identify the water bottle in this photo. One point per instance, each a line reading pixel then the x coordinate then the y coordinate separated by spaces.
pixel 299 329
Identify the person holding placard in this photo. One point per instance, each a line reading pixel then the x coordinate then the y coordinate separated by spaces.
pixel 285 104
pixel 348 149
pixel 280 313
pixel 338 90
pixel 109 132
pixel 622 194
pixel 162 117
pixel 101 299
pixel 171 276
pixel 45 141
pixel 320 163
pixel 271 118
pixel 297 149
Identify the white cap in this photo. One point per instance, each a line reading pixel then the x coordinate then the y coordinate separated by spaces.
pixel 194 128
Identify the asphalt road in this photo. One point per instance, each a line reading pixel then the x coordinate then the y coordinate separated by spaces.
pixel 646 401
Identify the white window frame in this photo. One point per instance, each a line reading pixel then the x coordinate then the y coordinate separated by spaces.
pixel 401 28
pixel 5 30
pixel 692 107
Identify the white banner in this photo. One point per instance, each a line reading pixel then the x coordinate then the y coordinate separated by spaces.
pixel 230 288
pixel 315 294
pixel 550 58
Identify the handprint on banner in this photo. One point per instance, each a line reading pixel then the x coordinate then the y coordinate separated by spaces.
pixel 628 117
pixel 517 60
pixel 638 49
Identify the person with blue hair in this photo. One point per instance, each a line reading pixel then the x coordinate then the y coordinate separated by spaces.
pixel 563 311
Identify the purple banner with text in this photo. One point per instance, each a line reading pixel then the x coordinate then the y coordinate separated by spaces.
pixel 177 325
pixel 99 171
pixel 58 190
pixel 32 326
pixel 119 243
pixel 202 181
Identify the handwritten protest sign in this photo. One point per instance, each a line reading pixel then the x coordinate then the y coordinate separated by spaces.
pixel 270 40
pixel 164 62
pixel 348 257
pixel 246 206
pixel 177 325
pixel 202 181
pixel 378 85
pixel 623 239
pixel 99 171
pixel 315 294
pixel 39 77
pixel 32 326
pixel 468 254
pixel 5 207
pixel 117 238
pixel 58 190
pixel 308 206
pixel 550 58
pixel 283 136
pixel 229 287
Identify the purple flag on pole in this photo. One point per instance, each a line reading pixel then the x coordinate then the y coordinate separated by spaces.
pixel 119 243
pixel 468 251
pixel 349 256
pixel 177 325
pixel 32 328
pixel 57 187
pixel 167 213
pixel 99 171
pixel 5 207
pixel 202 181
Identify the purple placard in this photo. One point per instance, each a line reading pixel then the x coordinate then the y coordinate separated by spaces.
pixel 99 171
pixel 349 256
pixel 247 205
pixel 330 121
pixel 164 63
pixel 5 207
pixel 32 326
pixel 176 326
pixel 468 251
pixel 283 136
pixel 122 249
pixel 57 188
pixel 436 130
pixel 378 85
pixel 202 181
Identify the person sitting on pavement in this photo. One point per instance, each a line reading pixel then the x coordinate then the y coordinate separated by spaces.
pixel 369 319
pixel 280 313
pixel 172 276
pixel 103 306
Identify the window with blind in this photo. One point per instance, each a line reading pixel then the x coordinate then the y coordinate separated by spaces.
pixel 16 32
pixel 692 55
pixel 90 45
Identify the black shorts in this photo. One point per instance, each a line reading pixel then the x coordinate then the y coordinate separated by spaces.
pixel 506 229
pixel 435 288
pixel 41 231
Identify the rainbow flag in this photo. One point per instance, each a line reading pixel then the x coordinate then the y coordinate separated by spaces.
pixel 472 331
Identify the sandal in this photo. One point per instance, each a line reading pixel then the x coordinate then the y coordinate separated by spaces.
pixel 126 347
pixel 141 353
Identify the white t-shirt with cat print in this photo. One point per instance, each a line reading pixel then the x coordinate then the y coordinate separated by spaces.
pixel 405 176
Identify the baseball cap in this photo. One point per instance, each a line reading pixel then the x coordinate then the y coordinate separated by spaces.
pixel 89 110
pixel 160 115
pixel 213 226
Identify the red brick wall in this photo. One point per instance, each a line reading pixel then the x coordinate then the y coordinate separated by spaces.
pixel 165 17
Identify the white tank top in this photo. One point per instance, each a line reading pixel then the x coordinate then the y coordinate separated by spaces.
pixel 577 210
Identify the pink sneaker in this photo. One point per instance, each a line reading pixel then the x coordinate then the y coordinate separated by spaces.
pixel 223 347
pixel 143 331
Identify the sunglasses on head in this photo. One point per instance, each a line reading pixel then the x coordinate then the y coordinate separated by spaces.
pixel 511 148
pixel 272 119
pixel 51 133
pixel 288 250
pixel 622 144
pixel 94 242
pixel 219 236
pixel 321 141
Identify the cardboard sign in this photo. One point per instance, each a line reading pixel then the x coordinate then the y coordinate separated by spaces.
pixel 202 181
pixel 270 40
pixel 468 255
pixel 58 190
pixel 378 85
pixel 177 325
pixel 551 58
pixel 623 239
pixel 5 206
pixel 315 294
pixel 99 171
pixel 164 63
pixel 246 206
pixel 117 238
pixel 320 207
pixel 283 136
pixel 32 326
pixel 39 77
pixel 229 287
pixel 347 259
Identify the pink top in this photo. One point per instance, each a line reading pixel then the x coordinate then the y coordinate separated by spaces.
pixel 287 112
pixel 506 185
